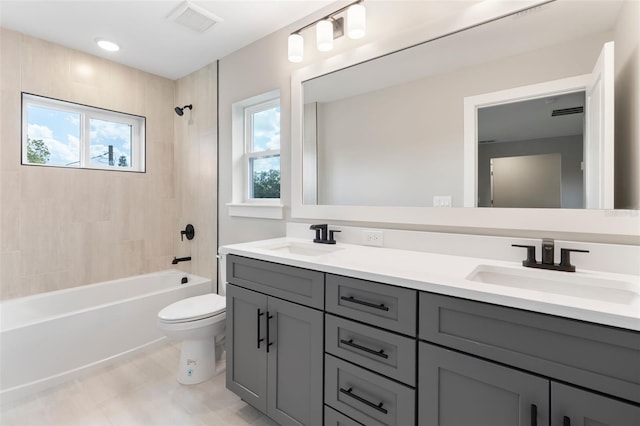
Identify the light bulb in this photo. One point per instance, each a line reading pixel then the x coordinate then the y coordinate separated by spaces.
pixel 324 35
pixel 296 48
pixel 356 21
pixel 107 45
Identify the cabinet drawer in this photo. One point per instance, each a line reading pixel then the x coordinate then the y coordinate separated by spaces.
pixel 286 282
pixel 589 355
pixel 336 418
pixel 373 303
pixel 367 397
pixel 381 351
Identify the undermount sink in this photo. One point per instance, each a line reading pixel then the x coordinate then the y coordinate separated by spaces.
pixel 302 249
pixel 561 283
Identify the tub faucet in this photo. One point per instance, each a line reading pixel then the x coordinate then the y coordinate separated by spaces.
pixel 177 260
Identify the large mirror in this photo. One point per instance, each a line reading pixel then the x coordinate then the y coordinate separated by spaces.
pixel 386 139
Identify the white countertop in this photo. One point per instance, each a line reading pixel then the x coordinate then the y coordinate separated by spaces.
pixel 448 275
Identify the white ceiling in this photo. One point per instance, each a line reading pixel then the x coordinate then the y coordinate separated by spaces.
pixel 152 43
pixel 148 40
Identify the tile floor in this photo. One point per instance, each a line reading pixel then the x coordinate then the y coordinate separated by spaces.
pixel 141 390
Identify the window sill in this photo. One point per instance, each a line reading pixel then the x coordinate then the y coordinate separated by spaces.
pixel 263 211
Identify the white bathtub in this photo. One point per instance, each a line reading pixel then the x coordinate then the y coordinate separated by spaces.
pixel 48 338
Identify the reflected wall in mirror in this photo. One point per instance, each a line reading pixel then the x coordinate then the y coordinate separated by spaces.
pixel 530 153
pixel 390 131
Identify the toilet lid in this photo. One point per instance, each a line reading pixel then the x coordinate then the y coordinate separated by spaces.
pixel 193 308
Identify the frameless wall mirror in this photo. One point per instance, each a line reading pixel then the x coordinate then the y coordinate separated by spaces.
pixel 393 131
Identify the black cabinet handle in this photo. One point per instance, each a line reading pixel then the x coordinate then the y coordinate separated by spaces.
pixel 379 353
pixel 268 333
pixel 531 254
pixel 259 339
pixel 364 401
pixel 534 415
pixel 351 299
pixel 566 421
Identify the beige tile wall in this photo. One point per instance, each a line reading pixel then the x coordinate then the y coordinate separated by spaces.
pixel 196 169
pixel 63 227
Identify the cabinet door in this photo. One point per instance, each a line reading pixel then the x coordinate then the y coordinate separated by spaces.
pixel 246 354
pixel 294 363
pixel 460 390
pixel 575 407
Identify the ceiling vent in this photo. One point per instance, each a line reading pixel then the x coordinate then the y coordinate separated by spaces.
pixel 194 17
pixel 567 111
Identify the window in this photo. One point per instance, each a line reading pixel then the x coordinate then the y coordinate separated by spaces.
pixel 65 134
pixel 262 150
pixel 255 154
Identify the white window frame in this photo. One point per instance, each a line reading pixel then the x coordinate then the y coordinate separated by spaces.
pixel 137 123
pixel 242 204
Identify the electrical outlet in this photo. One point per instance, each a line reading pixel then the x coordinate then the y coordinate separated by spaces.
pixel 442 201
pixel 373 238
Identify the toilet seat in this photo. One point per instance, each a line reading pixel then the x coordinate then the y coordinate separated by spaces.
pixel 193 309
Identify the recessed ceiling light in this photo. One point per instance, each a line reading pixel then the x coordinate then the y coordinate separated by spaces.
pixel 107 45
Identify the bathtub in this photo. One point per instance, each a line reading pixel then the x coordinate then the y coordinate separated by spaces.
pixel 49 338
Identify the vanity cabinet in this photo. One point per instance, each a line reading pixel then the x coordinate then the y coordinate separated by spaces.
pixel 274 347
pixel 535 350
pixel 460 390
pixel 309 348
pixel 370 347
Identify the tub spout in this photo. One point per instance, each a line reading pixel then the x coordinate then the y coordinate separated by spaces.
pixel 177 260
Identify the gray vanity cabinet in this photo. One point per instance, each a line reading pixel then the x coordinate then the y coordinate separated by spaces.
pixel 575 407
pixel 457 387
pixel 459 390
pixel 275 347
pixel 370 359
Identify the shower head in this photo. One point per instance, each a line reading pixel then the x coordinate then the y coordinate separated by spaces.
pixel 180 111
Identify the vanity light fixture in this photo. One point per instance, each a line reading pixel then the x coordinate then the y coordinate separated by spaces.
pixel 324 35
pixel 356 21
pixel 329 28
pixel 107 45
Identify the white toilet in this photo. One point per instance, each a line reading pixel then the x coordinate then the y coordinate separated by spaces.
pixel 199 322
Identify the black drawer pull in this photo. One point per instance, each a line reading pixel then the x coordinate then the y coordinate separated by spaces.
pixel 364 401
pixel 259 339
pixel 534 415
pixel 379 353
pixel 269 317
pixel 362 302
pixel 566 421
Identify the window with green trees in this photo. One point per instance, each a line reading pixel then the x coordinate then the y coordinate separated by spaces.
pixel 262 150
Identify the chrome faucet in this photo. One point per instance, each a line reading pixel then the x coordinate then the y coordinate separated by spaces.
pixel 321 234
pixel 548 247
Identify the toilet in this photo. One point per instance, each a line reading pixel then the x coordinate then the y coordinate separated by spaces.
pixel 199 322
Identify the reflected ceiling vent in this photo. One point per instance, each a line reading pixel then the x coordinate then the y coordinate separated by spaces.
pixel 567 111
pixel 529 11
pixel 194 17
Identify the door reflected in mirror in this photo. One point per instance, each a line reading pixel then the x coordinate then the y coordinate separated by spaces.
pixel 530 153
